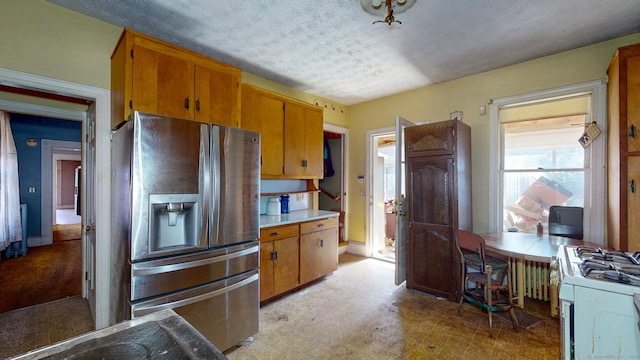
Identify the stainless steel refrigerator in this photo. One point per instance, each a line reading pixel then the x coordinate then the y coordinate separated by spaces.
pixel 186 223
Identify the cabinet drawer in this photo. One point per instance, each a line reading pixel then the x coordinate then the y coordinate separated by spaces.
pixel 276 233
pixel 312 226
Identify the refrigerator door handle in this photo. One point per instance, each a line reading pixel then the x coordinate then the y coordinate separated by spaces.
pixel 214 217
pixel 205 181
pixel 142 310
pixel 152 270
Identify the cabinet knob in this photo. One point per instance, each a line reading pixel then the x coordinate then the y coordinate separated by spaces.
pixel 275 233
pixel 186 103
pixel 632 131
pixel 321 243
pixel 198 105
pixel 632 186
pixel 320 224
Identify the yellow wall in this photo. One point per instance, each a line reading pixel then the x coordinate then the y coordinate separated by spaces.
pixel 435 102
pixel 45 39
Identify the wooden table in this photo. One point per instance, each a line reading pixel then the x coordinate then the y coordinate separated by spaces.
pixel 524 247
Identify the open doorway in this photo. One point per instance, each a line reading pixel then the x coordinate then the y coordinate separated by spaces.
pixel 382 197
pixel 66 224
pixel 96 179
pixel 332 187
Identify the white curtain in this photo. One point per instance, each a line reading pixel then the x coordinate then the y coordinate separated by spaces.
pixel 10 225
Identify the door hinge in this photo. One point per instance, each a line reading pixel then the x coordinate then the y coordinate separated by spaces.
pixel 410 225
pixel 131 53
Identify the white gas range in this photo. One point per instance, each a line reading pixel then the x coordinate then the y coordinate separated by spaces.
pixel 597 313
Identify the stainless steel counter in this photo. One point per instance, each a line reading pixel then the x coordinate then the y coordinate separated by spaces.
pixel 160 335
pixel 295 217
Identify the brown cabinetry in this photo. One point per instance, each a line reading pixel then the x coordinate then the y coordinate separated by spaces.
pixel 623 165
pixel 318 249
pixel 291 133
pixel 438 201
pixel 279 260
pixel 293 255
pixel 152 76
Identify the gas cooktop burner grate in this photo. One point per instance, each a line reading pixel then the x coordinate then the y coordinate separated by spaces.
pixel 587 253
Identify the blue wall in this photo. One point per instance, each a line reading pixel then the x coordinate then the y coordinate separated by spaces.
pixel 29 158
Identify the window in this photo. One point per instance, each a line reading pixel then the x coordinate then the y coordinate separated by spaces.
pixel 543 165
pixel 537 161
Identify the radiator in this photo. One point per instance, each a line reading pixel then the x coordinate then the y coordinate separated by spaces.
pixel 536 279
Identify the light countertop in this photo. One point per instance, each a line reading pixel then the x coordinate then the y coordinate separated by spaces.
pixel 295 217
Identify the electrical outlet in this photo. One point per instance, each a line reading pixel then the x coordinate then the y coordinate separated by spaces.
pixel 32 189
pixel 299 197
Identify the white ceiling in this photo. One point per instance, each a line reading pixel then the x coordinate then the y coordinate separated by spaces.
pixel 332 49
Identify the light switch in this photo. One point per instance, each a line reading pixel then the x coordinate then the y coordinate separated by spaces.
pixel 32 189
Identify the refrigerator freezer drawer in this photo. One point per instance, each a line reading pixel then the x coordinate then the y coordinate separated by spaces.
pixel 157 277
pixel 225 312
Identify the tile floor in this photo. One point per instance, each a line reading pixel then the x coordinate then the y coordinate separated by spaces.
pixel 355 313
pixel 358 313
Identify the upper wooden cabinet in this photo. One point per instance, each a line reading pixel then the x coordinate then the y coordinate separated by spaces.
pixel 292 133
pixel 152 76
pixel 303 138
pixel 623 153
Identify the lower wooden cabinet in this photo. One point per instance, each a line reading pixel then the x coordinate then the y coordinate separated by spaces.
pixel 293 255
pixel 318 249
pixel 279 260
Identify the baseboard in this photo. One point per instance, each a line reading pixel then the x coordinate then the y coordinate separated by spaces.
pixel 342 249
pixel 357 248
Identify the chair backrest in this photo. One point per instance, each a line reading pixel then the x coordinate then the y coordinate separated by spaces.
pixel 471 242
pixel 566 221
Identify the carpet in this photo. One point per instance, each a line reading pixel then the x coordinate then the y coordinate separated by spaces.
pixel 46 273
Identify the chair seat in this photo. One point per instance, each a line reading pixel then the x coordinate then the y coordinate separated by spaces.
pixel 474 259
pixel 481 278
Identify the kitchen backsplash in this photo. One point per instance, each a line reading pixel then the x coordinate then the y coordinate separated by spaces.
pixel 297 200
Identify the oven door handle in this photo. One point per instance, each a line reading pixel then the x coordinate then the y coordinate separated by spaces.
pixel 146 269
pixel 143 310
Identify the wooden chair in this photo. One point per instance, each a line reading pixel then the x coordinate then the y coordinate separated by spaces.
pixel 490 277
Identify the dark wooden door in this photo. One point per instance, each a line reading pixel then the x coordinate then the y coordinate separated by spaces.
pixel 431 253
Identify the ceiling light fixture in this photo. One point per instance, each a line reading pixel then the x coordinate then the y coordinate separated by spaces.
pixel 391 7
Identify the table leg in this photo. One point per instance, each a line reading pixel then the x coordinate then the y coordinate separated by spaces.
pixel 520 281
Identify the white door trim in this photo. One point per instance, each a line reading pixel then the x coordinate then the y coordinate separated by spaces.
pixel 102 99
pixel 345 171
pixel 368 248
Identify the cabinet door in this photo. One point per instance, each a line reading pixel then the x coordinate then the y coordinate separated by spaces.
pixel 265 115
pixel 633 203
pixel 216 96
pixel 303 138
pixel 430 244
pixel 314 143
pixel 633 103
pixel 318 254
pixel 162 84
pixel 430 140
pixel 286 264
pixel 266 271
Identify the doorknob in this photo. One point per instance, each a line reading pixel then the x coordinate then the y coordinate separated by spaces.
pixel 90 227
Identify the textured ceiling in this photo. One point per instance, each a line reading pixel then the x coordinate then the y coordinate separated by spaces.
pixel 332 49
